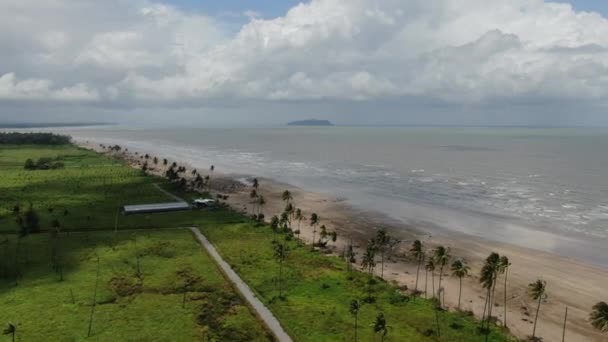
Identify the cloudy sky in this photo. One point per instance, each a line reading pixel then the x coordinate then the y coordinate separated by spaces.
pixel 265 61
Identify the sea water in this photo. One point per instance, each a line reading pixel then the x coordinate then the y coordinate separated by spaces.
pixel 545 188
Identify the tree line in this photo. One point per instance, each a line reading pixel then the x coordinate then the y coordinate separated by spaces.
pixel 14 138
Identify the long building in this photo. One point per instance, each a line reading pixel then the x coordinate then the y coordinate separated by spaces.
pixel 155 208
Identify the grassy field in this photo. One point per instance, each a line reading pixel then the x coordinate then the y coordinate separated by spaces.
pixel 130 305
pixel 86 194
pixel 319 289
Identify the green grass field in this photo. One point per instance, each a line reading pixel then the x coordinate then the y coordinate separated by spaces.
pixel 129 307
pixel 319 289
pixel 86 194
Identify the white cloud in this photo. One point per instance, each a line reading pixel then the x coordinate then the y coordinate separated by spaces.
pixel 43 90
pixel 456 51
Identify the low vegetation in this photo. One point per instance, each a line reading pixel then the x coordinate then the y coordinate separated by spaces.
pixel 152 285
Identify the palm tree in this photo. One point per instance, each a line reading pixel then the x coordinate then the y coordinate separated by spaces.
pixel 418 253
pixel 442 257
pixel 255 183
pixel 286 196
pixel 280 253
pixel 355 307
pixel 299 217
pixel 382 239
pixel 380 326
pixel 369 257
pixel 314 221
pixel 460 269
pixel 599 316
pixel 290 210
pixel 10 330
pixel 504 267
pixel 430 267
pixel 537 291
pixel 487 279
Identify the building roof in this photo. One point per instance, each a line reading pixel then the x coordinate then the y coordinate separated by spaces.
pixel 156 207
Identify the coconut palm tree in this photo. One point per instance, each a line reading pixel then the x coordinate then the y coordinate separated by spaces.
pixel 314 221
pixel 504 264
pixel 289 210
pixel 418 253
pixel 382 239
pixel 442 257
pixel 10 330
pixel 460 269
pixel 599 316
pixel 430 267
pixel 380 326
pixel 299 217
pixel 255 183
pixel 355 307
pixel 287 196
pixel 538 291
pixel 487 279
pixel 369 257
pixel 280 253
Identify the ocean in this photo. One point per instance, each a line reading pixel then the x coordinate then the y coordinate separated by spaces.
pixel 543 188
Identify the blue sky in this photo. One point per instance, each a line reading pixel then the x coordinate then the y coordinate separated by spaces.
pixel 274 8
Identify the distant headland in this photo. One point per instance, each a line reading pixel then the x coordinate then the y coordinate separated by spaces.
pixel 311 122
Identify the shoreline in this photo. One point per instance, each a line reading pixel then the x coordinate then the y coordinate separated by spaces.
pixel 570 283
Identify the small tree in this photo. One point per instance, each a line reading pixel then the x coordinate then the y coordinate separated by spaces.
pixel 369 257
pixel 380 326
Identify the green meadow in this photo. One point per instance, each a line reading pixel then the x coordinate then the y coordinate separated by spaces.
pixel 318 290
pixel 145 302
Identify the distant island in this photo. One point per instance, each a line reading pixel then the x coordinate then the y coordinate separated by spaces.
pixel 311 122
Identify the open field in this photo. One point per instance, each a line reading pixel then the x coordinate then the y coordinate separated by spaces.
pixel 318 290
pixel 86 194
pixel 129 307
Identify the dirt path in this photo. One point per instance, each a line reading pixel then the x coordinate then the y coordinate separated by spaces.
pixel 262 311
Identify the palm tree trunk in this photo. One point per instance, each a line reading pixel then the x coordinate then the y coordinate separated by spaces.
pixel 314 232
pixel 426 281
pixel 417 274
pixel 485 306
pixel 433 278
pixel 540 298
pixel 564 330
pixel 505 316
pixel 439 286
pixel 459 293
pixel 382 263
pixel 437 322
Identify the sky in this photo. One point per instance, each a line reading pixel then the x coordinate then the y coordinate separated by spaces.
pixel 452 62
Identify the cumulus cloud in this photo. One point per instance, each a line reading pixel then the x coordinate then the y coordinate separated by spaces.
pixel 143 53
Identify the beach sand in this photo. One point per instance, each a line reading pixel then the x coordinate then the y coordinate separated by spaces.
pixel 571 284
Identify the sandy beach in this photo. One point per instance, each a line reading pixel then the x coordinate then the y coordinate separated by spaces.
pixel 570 283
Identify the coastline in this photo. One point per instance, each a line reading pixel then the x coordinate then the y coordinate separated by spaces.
pixel 570 283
